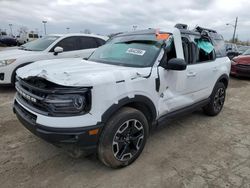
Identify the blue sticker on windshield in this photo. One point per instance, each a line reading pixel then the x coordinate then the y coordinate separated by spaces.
pixel 135 51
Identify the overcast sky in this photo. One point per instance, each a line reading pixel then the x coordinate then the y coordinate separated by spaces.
pixel 110 16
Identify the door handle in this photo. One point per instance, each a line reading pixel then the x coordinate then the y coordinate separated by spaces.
pixel 191 74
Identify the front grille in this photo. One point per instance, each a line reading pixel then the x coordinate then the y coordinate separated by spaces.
pixel 25 112
pixel 243 66
pixel 31 97
pixel 36 93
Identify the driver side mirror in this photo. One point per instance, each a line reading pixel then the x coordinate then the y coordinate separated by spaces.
pixel 58 50
pixel 175 64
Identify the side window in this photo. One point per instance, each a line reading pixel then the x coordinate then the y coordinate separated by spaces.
pixel 190 51
pixel 169 51
pixel 68 44
pixel 205 50
pixel 186 49
pixel 87 43
pixel 100 42
pixel 198 50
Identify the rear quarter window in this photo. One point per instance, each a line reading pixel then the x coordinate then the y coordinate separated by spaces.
pixel 100 42
pixel 220 48
pixel 87 43
pixel 219 45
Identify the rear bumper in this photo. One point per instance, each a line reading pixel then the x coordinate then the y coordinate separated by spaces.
pixel 59 136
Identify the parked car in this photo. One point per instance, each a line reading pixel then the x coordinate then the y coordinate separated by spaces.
pixel 240 66
pixel 129 86
pixel 232 50
pixel 48 47
pixel 7 41
pixel 26 37
pixel 242 49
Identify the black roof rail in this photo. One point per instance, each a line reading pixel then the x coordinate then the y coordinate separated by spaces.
pixel 181 26
pixel 200 29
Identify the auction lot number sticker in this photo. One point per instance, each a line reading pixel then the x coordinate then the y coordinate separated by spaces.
pixel 135 51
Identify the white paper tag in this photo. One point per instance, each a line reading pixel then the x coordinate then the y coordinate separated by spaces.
pixel 135 51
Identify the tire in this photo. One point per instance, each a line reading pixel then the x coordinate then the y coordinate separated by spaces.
pixel 123 138
pixel 217 100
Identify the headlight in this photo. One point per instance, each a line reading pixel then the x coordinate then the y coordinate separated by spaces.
pixel 79 102
pixel 6 62
pixel 68 104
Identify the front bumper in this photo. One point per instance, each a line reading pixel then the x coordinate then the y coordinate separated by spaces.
pixel 80 137
pixel 240 70
pixel 5 75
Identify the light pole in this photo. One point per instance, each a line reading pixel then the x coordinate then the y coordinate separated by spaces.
pixel 235 27
pixel 11 29
pixel 67 29
pixel 44 24
pixel 134 27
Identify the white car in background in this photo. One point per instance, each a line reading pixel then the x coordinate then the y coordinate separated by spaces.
pixel 27 37
pixel 49 47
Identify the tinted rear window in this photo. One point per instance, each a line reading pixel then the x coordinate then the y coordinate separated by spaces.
pixel 87 42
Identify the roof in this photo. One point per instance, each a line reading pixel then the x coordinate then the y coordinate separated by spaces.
pixel 79 34
pixel 141 32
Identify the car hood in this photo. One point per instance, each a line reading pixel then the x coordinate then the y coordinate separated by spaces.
pixel 243 59
pixel 79 72
pixel 14 54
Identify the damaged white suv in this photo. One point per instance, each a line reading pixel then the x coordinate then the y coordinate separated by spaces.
pixel 136 81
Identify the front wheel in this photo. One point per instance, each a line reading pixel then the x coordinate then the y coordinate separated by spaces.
pixel 123 138
pixel 217 100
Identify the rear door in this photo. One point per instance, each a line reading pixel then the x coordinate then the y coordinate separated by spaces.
pixel 199 72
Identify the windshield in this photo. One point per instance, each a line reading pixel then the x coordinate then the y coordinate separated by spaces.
pixel 39 44
pixel 247 52
pixel 132 51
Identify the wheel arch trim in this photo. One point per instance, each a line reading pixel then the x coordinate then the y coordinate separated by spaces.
pixel 223 78
pixel 137 99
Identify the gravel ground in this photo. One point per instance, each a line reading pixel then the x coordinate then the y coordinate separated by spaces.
pixel 193 151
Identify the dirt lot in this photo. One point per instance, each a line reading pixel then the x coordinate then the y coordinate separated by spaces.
pixel 193 151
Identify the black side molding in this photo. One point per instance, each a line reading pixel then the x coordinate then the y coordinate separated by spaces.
pixel 183 111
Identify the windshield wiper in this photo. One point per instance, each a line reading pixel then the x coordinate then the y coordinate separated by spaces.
pixel 23 48
pixel 26 49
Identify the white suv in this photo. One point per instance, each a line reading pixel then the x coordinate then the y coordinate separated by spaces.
pixel 48 47
pixel 128 86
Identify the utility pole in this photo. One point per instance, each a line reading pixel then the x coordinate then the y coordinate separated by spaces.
pixel 235 27
pixel 67 29
pixel 134 27
pixel 44 24
pixel 11 29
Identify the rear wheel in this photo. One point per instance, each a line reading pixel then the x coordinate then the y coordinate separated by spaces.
pixel 217 100
pixel 123 138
